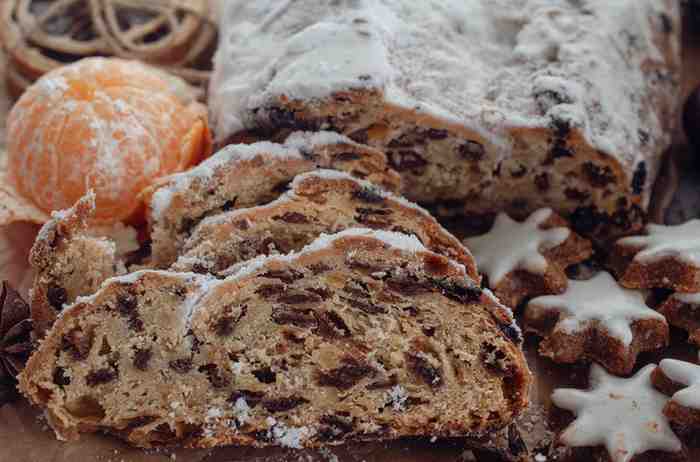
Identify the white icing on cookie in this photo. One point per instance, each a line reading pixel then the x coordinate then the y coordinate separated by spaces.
pixel 687 374
pixel 681 242
pixel 599 300
pixel 510 245
pixel 690 299
pixel 624 415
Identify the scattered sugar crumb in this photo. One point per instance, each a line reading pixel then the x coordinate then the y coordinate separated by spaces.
pixel 328 455
pixel 397 397
pixel 288 437
pixel 241 411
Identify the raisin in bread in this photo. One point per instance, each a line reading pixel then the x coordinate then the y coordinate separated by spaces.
pixel 484 105
pixel 282 354
pixel 322 201
pixel 68 262
pixel 248 175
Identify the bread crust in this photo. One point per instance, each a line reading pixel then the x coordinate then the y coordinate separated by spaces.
pixel 68 263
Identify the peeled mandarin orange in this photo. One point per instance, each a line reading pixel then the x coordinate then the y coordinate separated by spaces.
pixel 101 124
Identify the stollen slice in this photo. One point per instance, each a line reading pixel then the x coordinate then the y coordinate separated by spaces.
pixel 281 354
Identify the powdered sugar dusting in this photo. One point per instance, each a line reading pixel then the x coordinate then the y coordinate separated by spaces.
pixel 286 436
pixel 397 397
pixel 229 156
pixel 203 284
pixel 310 140
pixel 101 133
pixel 396 240
pixel 691 298
pixel 484 64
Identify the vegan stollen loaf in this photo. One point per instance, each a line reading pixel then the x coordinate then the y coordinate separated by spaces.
pixel 281 354
pixel 483 106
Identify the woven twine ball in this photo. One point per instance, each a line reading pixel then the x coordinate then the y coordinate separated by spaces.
pixel 41 35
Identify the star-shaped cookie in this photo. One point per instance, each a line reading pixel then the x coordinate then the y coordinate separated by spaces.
pixel 526 259
pixel 683 311
pixel 623 415
pixel 664 256
pixel 681 381
pixel 597 320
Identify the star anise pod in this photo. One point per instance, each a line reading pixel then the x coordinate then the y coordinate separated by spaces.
pixel 15 340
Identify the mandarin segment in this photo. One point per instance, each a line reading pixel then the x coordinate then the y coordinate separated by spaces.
pixel 109 125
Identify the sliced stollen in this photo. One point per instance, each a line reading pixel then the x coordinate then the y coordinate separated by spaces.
pixel 482 105
pixel 69 262
pixel 319 202
pixel 241 176
pixel 282 354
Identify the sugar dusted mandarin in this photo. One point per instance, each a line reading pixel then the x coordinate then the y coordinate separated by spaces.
pixel 105 124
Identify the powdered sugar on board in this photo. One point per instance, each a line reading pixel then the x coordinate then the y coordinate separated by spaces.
pixel 599 300
pixel 484 64
pixel 623 415
pixel 659 241
pixel 510 245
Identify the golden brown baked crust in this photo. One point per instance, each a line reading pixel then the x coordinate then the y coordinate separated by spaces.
pixel 68 263
pixel 319 202
pixel 163 358
pixel 247 175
